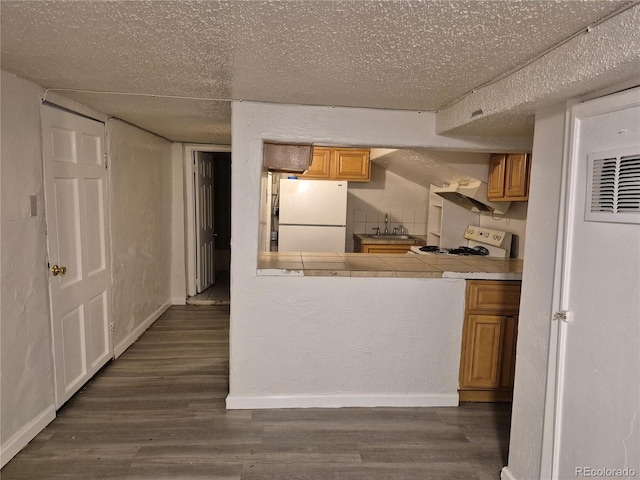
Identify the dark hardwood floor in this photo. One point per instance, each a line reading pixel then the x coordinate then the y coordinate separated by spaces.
pixel 158 413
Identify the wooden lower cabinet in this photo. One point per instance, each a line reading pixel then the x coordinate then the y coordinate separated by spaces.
pixel 360 247
pixel 487 362
pixel 380 248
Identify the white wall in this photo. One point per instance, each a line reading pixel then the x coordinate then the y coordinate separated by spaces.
pixel 404 201
pixel 322 341
pixel 534 325
pixel 140 182
pixel 514 221
pixel 26 358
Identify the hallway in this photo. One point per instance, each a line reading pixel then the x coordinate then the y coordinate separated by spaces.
pixel 218 294
pixel 158 412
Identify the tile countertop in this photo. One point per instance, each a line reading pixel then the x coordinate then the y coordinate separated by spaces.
pixel 388 265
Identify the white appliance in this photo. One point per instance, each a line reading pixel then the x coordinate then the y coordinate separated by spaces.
pixel 494 243
pixel 497 242
pixel 472 195
pixel 312 215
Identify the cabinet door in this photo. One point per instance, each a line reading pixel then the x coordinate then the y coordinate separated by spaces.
pixel 482 352
pixel 495 188
pixel 381 248
pixel 351 164
pixel 320 165
pixel 516 184
pixel 508 369
pixel 486 296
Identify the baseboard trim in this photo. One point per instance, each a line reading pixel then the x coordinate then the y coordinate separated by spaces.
pixel 133 336
pixel 178 301
pixel 22 437
pixel 257 402
pixel 506 474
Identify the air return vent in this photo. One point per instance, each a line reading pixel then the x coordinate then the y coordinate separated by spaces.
pixel 613 193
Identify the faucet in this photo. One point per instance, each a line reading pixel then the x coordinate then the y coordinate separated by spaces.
pixel 386 223
pixel 401 228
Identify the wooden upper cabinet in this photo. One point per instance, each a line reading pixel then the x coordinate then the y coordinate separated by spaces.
pixel 509 177
pixel 516 185
pixel 320 165
pixel 495 187
pixel 352 164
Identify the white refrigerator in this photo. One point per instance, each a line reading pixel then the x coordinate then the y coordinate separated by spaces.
pixel 312 215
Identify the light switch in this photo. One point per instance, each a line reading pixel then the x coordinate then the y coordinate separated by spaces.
pixel 33 204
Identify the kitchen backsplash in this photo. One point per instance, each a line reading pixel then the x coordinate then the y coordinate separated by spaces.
pixel 365 221
pixel 514 221
pixel 403 201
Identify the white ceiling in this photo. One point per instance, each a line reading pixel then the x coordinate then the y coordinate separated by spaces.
pixel 427 167
pixel 403 54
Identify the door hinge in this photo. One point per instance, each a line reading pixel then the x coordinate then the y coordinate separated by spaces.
pixel 112 327
pixel 106 161
pixel 563 315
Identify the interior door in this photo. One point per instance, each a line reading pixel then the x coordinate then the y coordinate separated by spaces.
pixel 205 233
pixel 597 423
pixel 79 283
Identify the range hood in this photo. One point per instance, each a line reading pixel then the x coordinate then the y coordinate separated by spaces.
pixel 472 196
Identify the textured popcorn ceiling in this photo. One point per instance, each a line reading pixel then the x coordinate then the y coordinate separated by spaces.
pixel 417 55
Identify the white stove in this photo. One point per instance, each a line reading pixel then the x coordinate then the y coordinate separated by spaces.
pixel 497 242
pixel 482 241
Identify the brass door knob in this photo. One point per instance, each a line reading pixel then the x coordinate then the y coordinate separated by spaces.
pixel 56 270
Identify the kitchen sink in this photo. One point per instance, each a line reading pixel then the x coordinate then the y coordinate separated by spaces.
pixel 389 236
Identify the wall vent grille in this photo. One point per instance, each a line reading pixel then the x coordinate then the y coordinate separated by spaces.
pixel 613 193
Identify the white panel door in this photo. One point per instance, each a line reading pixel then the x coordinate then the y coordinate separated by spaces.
pixel 79 283
pixel 598 379
pixel 205 233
